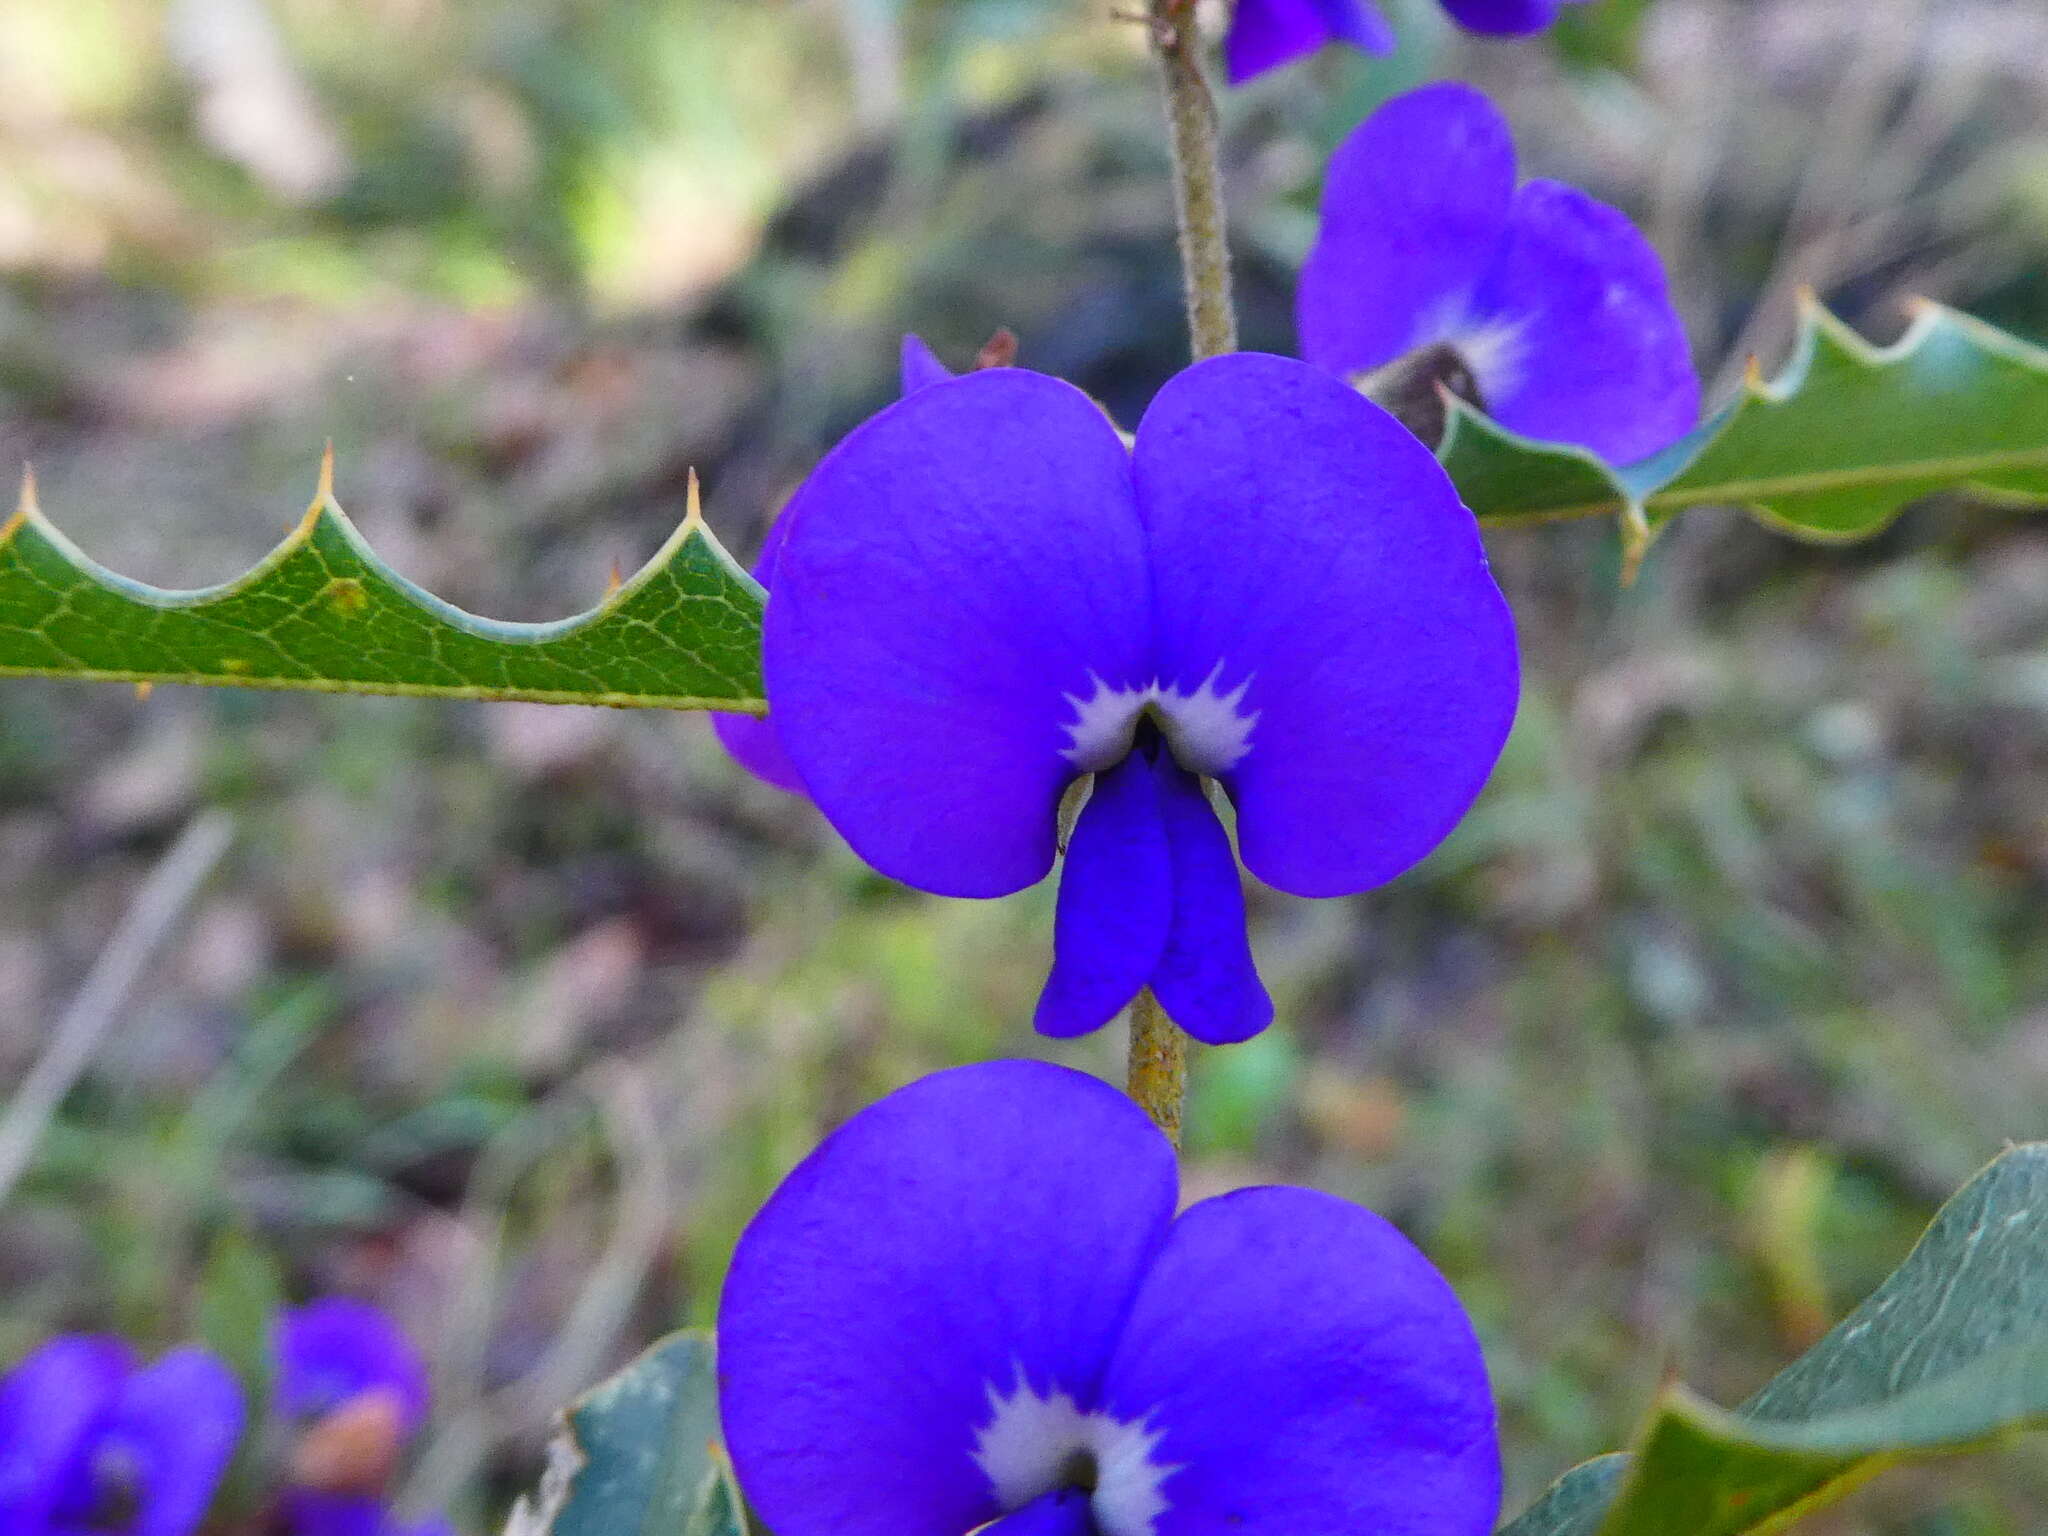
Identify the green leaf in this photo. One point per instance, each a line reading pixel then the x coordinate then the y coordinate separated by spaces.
pixel 322 612
pixel 1950 1352
pixel 1834 448
pixel 639 1455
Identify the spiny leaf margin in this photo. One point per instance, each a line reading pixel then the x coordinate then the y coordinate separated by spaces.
pixel 323 612
pixel 1981 392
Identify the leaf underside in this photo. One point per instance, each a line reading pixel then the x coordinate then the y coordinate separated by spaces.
pixel 1949 1352
pixel 323 612
pixel 638 1455
pixel 1833 448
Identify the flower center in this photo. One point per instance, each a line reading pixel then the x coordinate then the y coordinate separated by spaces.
pixel 1207 729
pixel 1033 1445
pixel 1412 388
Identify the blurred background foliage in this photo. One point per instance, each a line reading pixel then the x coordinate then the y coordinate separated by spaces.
pixel 509 1016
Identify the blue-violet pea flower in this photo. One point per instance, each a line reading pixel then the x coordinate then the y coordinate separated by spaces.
pixel 92 1443
pixel 343 1362
pixel 753 741
pixel 1547 306
pixel 974 1303
pixel 336 1351
pixel 1265 34
pixel 984 600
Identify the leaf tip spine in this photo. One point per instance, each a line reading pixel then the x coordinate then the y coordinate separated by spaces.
pixel 693 509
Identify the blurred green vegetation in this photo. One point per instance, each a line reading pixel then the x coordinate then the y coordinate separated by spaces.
pixel 510 1016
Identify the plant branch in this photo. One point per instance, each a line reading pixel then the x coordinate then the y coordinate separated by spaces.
pixel 1197 177
pixel 1159 1065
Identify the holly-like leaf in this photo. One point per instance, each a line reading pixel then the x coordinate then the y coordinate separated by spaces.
pixel 639 1455
pixel 1833 448
pixel 322 612
pixel 1950 1352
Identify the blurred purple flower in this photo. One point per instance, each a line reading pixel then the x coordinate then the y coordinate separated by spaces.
pixel 335 1356
pixel 983 597
pixel 1265 34
pixel 336 1514
pixel 974 1303
pixel 336 1350
pixel 1550 304
pixel 752 740
pixel 93 1445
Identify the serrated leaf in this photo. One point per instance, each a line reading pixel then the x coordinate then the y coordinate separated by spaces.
pixel 1833 448
pixel 639 1455
pixel 1949 1352
pixel 323 612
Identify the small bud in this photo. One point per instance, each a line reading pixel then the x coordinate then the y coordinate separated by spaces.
pixel 999 351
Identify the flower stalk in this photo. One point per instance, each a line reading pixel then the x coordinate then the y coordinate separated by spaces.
pixel 1197 177
pixel 1158 1076
pixel 1158 1073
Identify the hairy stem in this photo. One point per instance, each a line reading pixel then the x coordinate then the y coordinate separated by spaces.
pixel 1197 177
pixel 1159 1051
pixel 1159 1064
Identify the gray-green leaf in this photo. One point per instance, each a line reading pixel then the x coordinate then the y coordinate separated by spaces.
pixel 1948 1353
pixel 639 1455
pixel 1833 448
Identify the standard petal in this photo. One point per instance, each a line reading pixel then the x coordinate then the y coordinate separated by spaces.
pixel 1116 902
pixel 919 365
pixel 1265 34
pixel 1503 18
pixel 984 1223
pixel 49 1405
pixel 957 570
pixel 176 1423
pixel 1306 1370
pixel 1205 979
pixel 1589 348
pixel 1308 549
pixel 336 1348
pixel 1413 209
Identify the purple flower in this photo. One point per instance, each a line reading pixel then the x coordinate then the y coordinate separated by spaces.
pixel 336 1358
pixel 1265 34
pixel 1550 303
pixel 93 1445
pixel 335 1514
pixel 752 740
pixel 984 598
pixel 336 1351
pixel 974 1303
